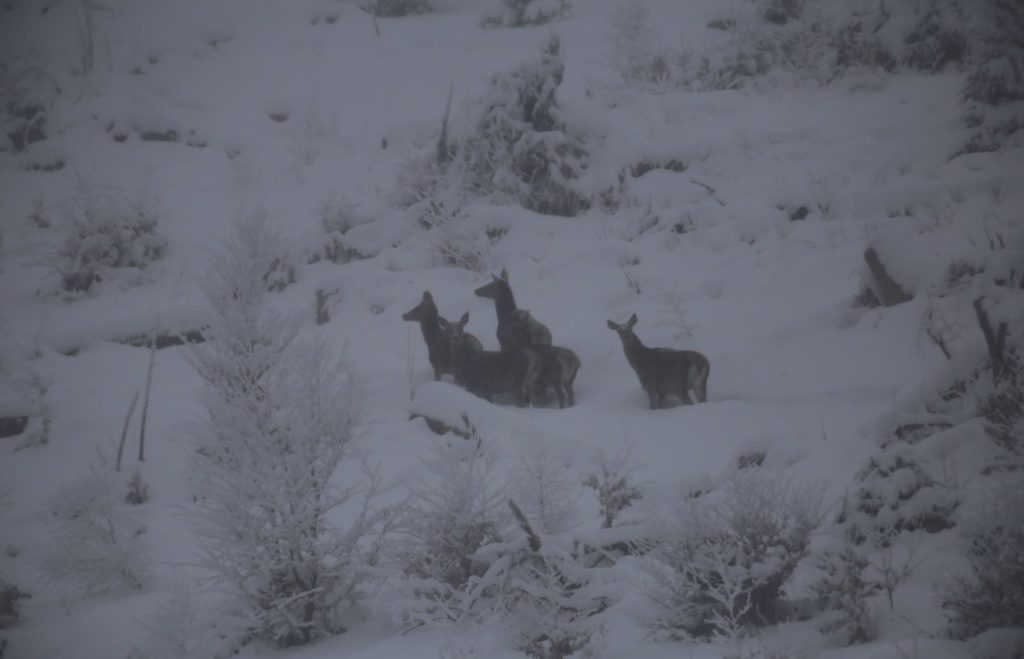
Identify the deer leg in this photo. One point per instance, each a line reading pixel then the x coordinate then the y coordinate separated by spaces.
pixel 702 390
pixel 560 394
pixel 652 398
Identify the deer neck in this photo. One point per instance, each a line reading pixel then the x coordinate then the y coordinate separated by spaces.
pixel 431 328
pixel 634 349
pixel 505 305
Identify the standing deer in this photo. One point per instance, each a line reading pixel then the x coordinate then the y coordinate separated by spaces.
pixel 514 330
pixel 664 371
pixel 517 329
pixel 486 372
pixel 438 339
pixel 559 367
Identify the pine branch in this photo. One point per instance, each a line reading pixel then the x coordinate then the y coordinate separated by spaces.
pixel 524 523
pixel 145 398
pixel 124 431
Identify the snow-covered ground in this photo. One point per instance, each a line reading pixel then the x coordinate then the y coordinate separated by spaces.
pixel 291 107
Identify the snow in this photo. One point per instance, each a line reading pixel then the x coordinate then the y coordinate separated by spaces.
pixel 797 373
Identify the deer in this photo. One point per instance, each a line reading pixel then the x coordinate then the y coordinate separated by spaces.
pixel 558 366
pixel 438 340
pixel 486 373
pixel 518 330
pixel 664 371
pixel 513 330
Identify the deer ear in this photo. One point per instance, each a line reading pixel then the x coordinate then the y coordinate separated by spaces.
pixel 427 297
pixel 445 325
pixel 504 274
pixel 613 326
pixel 632 321
pixel 464 319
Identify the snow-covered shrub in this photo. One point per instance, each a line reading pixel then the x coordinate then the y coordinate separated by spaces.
pixel 97 544
pixel 993 94
pixel 280 420
pixel 337 216
pixel 990 593
pixel 102 232
pixel 725 557
pixel 544 488
pixel 10 598
pixel 635 54
pixel 455 242
pixel 845 589
pixel 779 12
pixel 30 383
pixel 519 13
pixel 895 493
pixel 938 37
pixel 821 41
pixel 27 92
pixel 549 602
pixel 516 146
pixel 393 8
pixel 612 485
pixel 448 518
pixel 1001 322
pixel 137 490
pixel 179 627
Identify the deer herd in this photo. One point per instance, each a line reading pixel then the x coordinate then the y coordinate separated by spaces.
pixel 528 366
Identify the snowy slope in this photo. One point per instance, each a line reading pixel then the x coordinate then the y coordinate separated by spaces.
pixel 288 106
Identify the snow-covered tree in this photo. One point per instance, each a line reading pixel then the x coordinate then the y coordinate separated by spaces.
pixel 101 234
pixel 519 13
pixel 457 509
pixel 97 544
pixel 993 94
pixel 725 557
pixel 896 493
pixel 280 420
pixel 990 593
pixel 544 488
pixel 515 145
pixel 613 486
pixel 548 601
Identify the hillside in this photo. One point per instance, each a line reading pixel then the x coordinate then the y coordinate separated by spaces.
pixel 731 210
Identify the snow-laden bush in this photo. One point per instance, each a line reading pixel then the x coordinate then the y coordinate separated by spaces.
pixel 548 601
pixel 725 557
pixel 393 8
pixel 845 589
pixel 459 509
pixel 993 94
pixel 635 54
pixel 544 487
pixel 280 420
pixel 614 486
pixel 96 543
pixel 779 12
pixel 101 233
pixel 896 493
pixel 455 241
pixel 29 382
pixel 337 215
pixel 179 627
pixel 514 146
pixel 990 593
pixel 520 13
pixel 820 41
pixel 10 598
